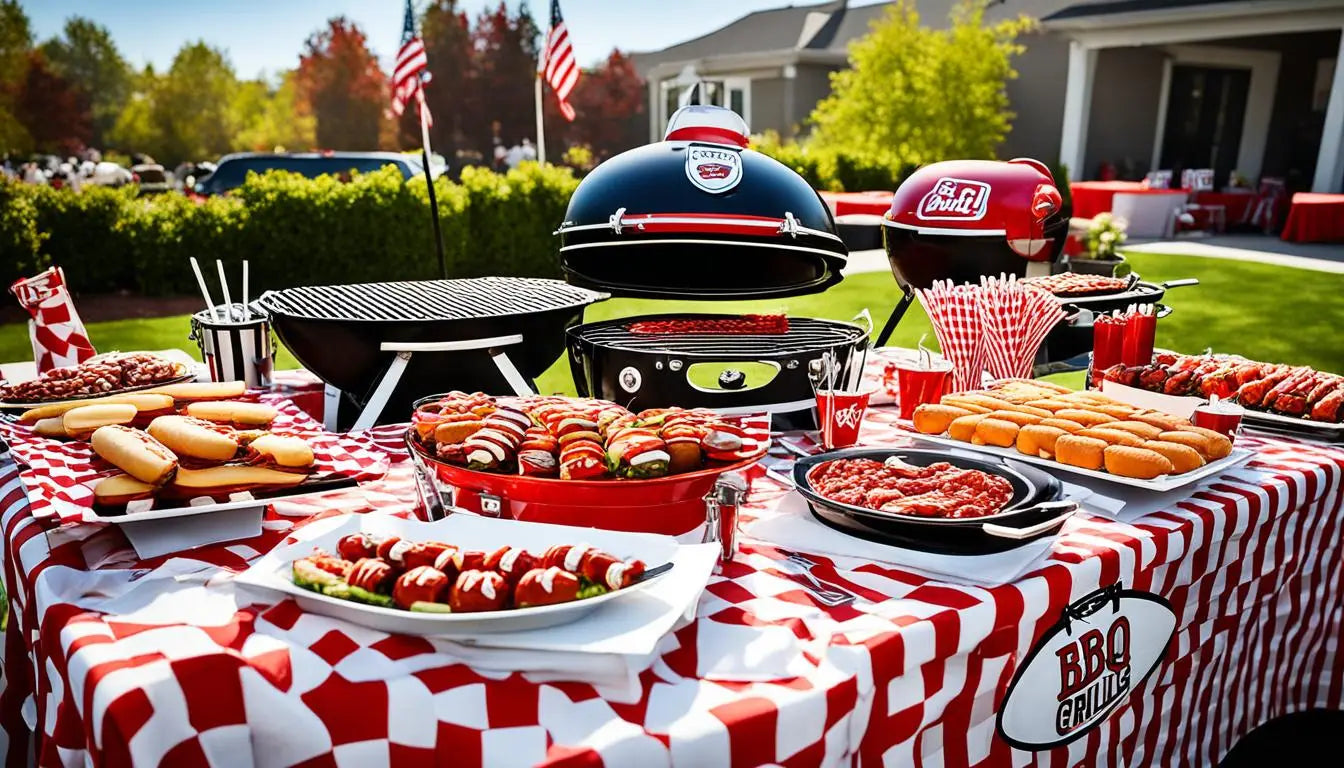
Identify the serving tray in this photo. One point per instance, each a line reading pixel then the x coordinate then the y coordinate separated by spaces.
pixel 8 406
pixel 1162 483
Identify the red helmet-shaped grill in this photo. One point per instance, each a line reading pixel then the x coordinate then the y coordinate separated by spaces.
pixel 962 219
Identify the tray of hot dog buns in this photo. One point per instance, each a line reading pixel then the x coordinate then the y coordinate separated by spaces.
pixel 468 576
pixel 1084 433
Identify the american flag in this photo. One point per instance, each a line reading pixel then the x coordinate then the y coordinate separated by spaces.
pixel 409 74
pixel 559 66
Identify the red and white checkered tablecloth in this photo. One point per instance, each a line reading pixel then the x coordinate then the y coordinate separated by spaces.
pixel 911 674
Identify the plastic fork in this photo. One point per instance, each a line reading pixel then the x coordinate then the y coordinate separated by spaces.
pixel 800 566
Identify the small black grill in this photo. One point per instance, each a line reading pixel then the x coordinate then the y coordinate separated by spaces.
pixel 428 300
pixel 339 331
pixel 755 371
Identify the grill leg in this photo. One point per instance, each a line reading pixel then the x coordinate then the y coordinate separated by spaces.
pixel 510 372
pixel 386 385
pixel 897 312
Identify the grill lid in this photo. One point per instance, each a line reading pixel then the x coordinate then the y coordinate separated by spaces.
pixel 427 300
pixel 698 215
pixel 1016 200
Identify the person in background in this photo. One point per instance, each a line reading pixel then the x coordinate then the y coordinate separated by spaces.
pixel 529 151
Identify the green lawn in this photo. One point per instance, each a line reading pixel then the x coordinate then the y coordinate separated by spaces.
pixel 1260 311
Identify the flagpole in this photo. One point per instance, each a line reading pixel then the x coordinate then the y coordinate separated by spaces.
pixel 429 184
pixel 541 128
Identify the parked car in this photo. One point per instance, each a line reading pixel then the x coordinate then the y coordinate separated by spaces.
pixel 107 174
pixel 233 169
pixel 185 175
pixel 151 178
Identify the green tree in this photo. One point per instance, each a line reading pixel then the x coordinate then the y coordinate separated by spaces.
pixel 87 58
pixel 134 128
pixel 272 116
pixel 917 95
pixel 191 105
pixel 16 38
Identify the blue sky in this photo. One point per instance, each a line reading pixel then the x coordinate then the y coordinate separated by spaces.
pixel 268 34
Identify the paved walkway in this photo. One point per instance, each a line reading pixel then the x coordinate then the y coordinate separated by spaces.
pixel 1259 248
pixel 1322 257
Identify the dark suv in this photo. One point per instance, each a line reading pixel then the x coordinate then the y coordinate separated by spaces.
pixel 232 170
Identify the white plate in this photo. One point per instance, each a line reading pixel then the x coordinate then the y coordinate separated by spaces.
pixel 692 568
pixel 1163 483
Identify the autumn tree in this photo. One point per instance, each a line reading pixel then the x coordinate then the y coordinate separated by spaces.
pixel 88 59
pixel 445 29
pixel 504 63
pixel 340 78
pixel 51 109
pixel 914 94
pixel 606 100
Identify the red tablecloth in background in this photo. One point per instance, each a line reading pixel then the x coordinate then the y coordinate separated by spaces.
pixel 876 202
pixel 1093 197
pixel 1235 204
pixel 1315 218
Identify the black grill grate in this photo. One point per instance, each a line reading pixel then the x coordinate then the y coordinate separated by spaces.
pixel 428 299
pixel 805 334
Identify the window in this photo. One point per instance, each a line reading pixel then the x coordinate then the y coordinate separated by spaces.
pixel 733 93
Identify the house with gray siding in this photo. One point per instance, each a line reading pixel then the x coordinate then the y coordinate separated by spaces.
pixel 1254 87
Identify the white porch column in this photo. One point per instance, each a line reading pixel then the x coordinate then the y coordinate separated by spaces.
pixel 1330 160
pixel 1077 105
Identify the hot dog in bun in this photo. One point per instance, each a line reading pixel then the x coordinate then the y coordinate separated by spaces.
pixel 194 439
pixel 288 454
pixel 202 390
pixel 79 423
pixel 120 490
pixel 135 453
pixel 243 415
pixel 221 481
pixel 146 405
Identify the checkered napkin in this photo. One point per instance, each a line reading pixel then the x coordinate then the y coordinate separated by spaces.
pixel 60 475
pixel 1016 318
pixel 957 321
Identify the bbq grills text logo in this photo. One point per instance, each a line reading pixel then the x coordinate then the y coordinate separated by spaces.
pixel 713 170
pixel 1085 666
pixel 955 199
pixel 848 417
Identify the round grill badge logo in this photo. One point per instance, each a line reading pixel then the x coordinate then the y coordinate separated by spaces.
pixel 713 170
pixel 1085 666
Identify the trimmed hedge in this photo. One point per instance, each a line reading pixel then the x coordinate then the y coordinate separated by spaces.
pixel 294 231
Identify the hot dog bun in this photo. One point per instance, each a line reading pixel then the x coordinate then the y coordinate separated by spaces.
pixel 119 490
pixel 994 431
pixel 283 451
pixel 1219 444
pixel 1080 451
pixel 201 390
pixel 933 419
pixel 1039 440
pixel 53 427
pixel 232 412
pixel 221 481
pixel 1128 461
pixel 963 427
pixel 135 453
pixel 193 438
pixel 144 402
pixel 1182 457
pixel 80 422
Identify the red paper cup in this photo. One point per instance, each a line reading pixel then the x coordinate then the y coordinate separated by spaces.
pixel 916 386
pixel 840 416
pixel 1108 336
pixel 1220 416
pixel 1140 334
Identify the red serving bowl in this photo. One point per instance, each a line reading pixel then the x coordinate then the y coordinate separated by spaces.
pixel 672 505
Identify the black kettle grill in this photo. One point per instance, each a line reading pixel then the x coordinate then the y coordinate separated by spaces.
pixel 700 216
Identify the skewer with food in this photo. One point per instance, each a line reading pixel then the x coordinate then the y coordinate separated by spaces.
pixel 1078 284
pixel 1287 390
pixel 576 438
pixel 438 577
pixel 1081 429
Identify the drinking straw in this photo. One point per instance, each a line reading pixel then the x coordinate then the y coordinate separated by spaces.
pixel 205 292
pixel 224 284
pixel 247 313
